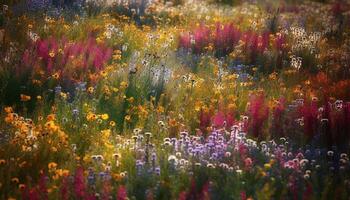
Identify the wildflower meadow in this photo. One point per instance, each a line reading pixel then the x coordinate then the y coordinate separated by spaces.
pixel 175 99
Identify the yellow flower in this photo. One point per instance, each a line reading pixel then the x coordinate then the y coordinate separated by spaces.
pixel 127 117
pixel 56 75
pixel 123 84
pixel 114 89
pixel 106 133
pixel 131 100
pixel 52 54
pixel 104 116
pixel 51 126
pixel 63 95
pixel 160 109
pixel 99 40
pixel 267 166
pixel 112 123
pixel 90 90
pixel 103 73
pixel 117 55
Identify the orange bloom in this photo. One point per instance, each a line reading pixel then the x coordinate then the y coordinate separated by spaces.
pixel 25 97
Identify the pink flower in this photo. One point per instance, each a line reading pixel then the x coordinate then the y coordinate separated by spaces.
pixel 258 113
pixel 122 193
pixel 248 163
pixel 79 184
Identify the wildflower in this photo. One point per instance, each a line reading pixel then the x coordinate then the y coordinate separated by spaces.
pixel 91 116
pixel 2 161
pixel 15 180
pixel 103 73
pixel 117 55
pixel 267 166
pixel 56 76
pixel 21 186
pixel 25 97
pixel 127 117
pixel 90 90
pixel 148 134
pixel 112 123
pixel 51 117
pixel 123 85
pixel 52 165
pixel 52 54
pixel 161 124
pixel 104 116
pixel 8 109
pixel 63 95
pixel 330 153
pixel 50 125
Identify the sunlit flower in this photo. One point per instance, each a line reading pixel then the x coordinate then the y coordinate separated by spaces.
pixel 25 97
pixel 104 116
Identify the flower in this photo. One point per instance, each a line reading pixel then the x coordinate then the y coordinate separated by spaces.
pixel 123 85
pixel 15 180
pixel 127 117
pixel 51 117
pixel 52 54
pixel 52 165
pixel 91 116
pixel 90 90
pixel 104 116
pixel 267 166
pixel 8 109
pixel 112 123
pixel 2 161
pixel 21 186
pixel 25 97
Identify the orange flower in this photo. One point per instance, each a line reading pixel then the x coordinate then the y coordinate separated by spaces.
pixel 172 122
pixel 25 97
pixel 8 109
pixel 51 117
pixel 52 165
pixel 91 116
